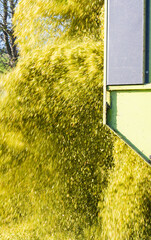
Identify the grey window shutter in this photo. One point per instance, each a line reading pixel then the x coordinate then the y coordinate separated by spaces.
pixel 125 42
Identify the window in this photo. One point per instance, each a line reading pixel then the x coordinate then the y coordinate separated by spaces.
pixel 127 37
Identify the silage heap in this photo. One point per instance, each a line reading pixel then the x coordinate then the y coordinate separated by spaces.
pixel 54 154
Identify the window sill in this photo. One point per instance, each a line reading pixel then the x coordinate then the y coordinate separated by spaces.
pixel 146 86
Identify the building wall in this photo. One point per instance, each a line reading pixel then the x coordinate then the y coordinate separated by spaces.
pixel 129 115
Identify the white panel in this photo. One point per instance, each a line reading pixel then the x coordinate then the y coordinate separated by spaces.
pixel 125 42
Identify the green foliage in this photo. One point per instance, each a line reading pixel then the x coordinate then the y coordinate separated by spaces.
pixel 127 204
pixel 55 152
pixel 2 69
pixel 4 63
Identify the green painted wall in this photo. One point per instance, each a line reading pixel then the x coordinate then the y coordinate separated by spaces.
pixel 130 116
pixel 150 46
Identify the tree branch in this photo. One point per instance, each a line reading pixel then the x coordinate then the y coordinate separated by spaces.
pixel 6 27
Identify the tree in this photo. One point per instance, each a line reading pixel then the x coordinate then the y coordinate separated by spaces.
pixel 8 49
